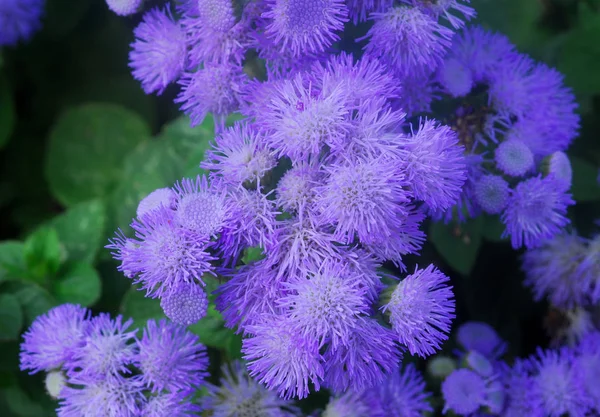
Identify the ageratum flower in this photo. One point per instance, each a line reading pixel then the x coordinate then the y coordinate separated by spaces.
pixel 455 77
pixel 157 198
pixel 53 338
pixel 350 404
pixel 296 189
pixel 240 395
pixel 464 392
pixel 421 309
pixel 359 10
pixel 304 26
pixel 174 403
pixel 536 211
pixel 514 158
pixel 158 55
pixel 587 365
pixel 523 397
pixel 447 9
pixel 480 337
pixel 19 20
pixel 560 167
pixel 170 357
pixel 491 193
pixel 124 7
pixel 184 303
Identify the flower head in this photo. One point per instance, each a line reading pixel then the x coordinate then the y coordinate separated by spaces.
pixel 522 393
pixel 296 189
pixel 464 392
pixel 170 357
pixel 185 303
pixel 560 167
pixel 455 77
pixel 158 55
pixel 174 403
pixel 491 193
pixel 53 338
pixel 124 7
pixel 514 158
pixel 157 198
pixel 480 337
pixel 421 310
pixel 350 404
pixel 19 20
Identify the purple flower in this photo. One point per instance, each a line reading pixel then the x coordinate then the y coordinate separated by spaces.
pixel 421 309
pixel 53 338
pixel 514 158
pixel 401 394
pixel 491 193
pixel 455 77
pixel 587 365
pixel 536 210
pixel 158 55
pixel 327 305
pixel 359 10
pixel 213 89
pixel 408 39
pixel 239 394
pixel 560 167
pixel 239 154
pixel 369 354
pixel 174 403
pixel 282 359
pixel 435 165
pixel 296 189
pixel 480 337
pixel 523 397
pixel 350 404
pixel 447 9
pixel 19 20
pixel 464 392
pixel 170 357
pixel 107 350
pixel 418 92
pixel 305 26
pixel 157 198
pixel 185 303
pixel 124 7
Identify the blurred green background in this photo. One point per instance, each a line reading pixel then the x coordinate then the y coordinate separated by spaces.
pixel 81 144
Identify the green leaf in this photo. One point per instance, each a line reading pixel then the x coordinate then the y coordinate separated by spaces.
pixel 43 254
pixel 252 254
pixel 7 112
pixel 11 317
pixel 140 308
pixel 458 243
pixel 212 332
pixel 493 228
pixel 81 230
pixel 79 285
pixel 20 404
pixel 34 300
pixel 87 148
pixel 12 261
pixel 585 180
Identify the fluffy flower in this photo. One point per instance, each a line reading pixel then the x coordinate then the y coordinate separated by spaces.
pixel 185 304
pixel 560 167
pixel 53 338
pixel 514 158
pixel 421 310
pixel 239 394
pixel 239 154
pixel 350 404
pixel 408 39
pixel 464 392
pixel 282 359
pixel 157 198
pixel 124 7
pixel 175 403
pixel 587 365
pixel 480 337
pixel 536 210
pixel 305 26
pixel 359 10
pixel 455 77
pixel 296 189
pixel 522 393
pixel 447 9
pixel 19 20
pixel 435 165
pixel 170 357
pixel 158 55
pixel 491 193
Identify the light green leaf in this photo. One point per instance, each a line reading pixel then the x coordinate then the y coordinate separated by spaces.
pixel 252 254
pixel 585 180
pixel 43 254
pixel 80 284
pixel 12 261
pixel 11 317
pixel 81 230
pixel 140 308
pixel 458 243
pixel 87 148
pixel 212 332
pixel 34 300
pixel 7 112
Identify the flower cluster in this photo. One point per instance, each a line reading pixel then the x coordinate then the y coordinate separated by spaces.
pixel 19 20
pixel 97 366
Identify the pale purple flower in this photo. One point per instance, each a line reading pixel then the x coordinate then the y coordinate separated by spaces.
pixel 480 337
pixel 124 7
pixel 157 198
pixel 184 303
pixel 514 158
pixel 491 193
pixel 174 403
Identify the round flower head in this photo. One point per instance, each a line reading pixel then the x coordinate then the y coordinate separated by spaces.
pixel 295 189
pixel 240 395
pixel 212 89
pixel 54 382
pixel 359 10
pixel 305 26
pixel 560 167
pixel 157 198
pixel 553 271
pixel 455 77
pixel 418 92
pixel 435 165
pixel 464 392
pixel 158 55
pixel 239 154
pixel 282 359
pixel 101 398
pixel 401 394
pixel 349 404
pixel 421 310
pixel 480 337
pixel 479 363
pixel 202 208
pixel 587 365
pixel 410 40
pixel 366 198
pixel 514 158
pixel 491 193
pixel 536 210
pixel 19 20
pixel 185 304
pixel 170 357
pixel 561 388
pixel 298 122
pixel 174 403
pixel 165 254
pixel 53 337
pixel 124 7
pixel 369 354
pixel 327 304
pixel 107 350
pixel 447 9
pixel 522 393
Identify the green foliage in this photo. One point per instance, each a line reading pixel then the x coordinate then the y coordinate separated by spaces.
pixel 43 254
pixel 7 112
pixel 34 300
pixel 493 228
pixel 212 332
pixel 87 148
pixel 12 260
pixel 11 317
pixel 80 284
pixel 585 185
pixel 457 243
pixel 140 308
